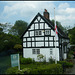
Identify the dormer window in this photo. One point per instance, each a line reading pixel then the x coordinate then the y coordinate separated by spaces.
pixel 47 32
pixel 38 32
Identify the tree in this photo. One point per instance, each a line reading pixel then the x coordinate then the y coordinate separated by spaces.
pixel 5 27
pixel 72 35
pixel 18 28
pixel 18 47
pixel 60 26
pixel 7 41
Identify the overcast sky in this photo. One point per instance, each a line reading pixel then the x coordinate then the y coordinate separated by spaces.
pixel 10 11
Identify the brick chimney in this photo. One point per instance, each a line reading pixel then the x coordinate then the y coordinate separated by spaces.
pixel 46 14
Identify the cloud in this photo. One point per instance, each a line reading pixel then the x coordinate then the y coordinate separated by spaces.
pixel 27 10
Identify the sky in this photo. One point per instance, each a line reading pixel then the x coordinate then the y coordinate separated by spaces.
pixel 11 11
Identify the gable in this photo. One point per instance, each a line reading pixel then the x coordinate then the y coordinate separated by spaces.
pixel 38 23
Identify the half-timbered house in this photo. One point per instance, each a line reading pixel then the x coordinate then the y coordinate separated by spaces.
pixel 39 38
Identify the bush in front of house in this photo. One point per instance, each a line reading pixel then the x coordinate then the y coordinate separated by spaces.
pixel 66 64
pixel 26 60
pixel 51 60
pixel 47 69
pixel 11 70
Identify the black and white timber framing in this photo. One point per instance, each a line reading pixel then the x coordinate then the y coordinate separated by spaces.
pixel 41 34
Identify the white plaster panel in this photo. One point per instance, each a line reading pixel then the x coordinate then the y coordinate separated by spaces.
pixel 27 52
pixel 39 38
pixel 26 34
pixel 24 39
pixel 51 43
pixel 32 38
pixel 31 33
pixel 52 33
pixel 36 26
pixel 46 43
pixel 50 38
pixel 41 25
pixel 39 44
pixel 28 39
pixel 33 44
pixel 29 44
pixel 42 20
pixel 46 26
pixel 36 20
pixel 24 44
pixel 46 38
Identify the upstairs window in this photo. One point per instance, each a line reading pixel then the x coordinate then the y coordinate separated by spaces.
pixel 47 32
pixel 38 32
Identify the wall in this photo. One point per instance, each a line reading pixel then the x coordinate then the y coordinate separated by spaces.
pixel 27 52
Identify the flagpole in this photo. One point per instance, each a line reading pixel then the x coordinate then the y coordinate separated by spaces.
pixel 55 38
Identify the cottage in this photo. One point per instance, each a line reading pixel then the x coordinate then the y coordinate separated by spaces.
pixel 39 38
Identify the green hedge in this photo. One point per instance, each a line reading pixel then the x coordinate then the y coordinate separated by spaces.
pixel 66 64
pixel 43 69
pixel 26 60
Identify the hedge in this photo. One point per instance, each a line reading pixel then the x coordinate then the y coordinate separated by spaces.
pixel 43 69
pixel 66 64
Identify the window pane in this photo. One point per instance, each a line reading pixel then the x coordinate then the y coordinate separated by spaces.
pixel 33 51
pixel 39 32
pixel 36 32
pixel 38 51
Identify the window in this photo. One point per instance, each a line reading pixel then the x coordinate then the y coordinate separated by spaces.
pixel 47 32
pixel 35 51
pixel 51 52
pixel 38 33
pixel 38 51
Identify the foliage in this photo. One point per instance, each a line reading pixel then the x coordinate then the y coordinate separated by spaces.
pixel 72 35
pixel 43 69
pixel 7 41
pixel 66 64
pixel 26 60
pixel 64 29
pixel 40 57
pixel 11 70
pixel 18 47
pixel 18 28
pixel 51 60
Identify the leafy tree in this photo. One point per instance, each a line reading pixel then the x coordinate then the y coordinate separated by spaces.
pixel 5 27
pixel 18 28
pixel 60 26
pixel 72 35
pixel 7 41
pixel 18 47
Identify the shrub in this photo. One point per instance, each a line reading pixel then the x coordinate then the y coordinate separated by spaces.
pixel 66 64
pixel 48 69
pixel 42 69
pixel 40 57
pixel 24 71
pixel 11 70
pixel 26 60
pixel 51 60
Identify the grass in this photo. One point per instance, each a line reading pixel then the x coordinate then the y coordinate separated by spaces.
pixel 4 64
